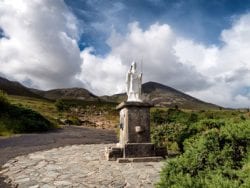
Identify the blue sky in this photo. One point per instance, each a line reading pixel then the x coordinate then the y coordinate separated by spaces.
pixel 201 20
pixel 196 46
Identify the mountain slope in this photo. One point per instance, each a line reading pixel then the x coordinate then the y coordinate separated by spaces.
pixel 161 95
pixel 67 93
pixel 158 94
pixel 15 88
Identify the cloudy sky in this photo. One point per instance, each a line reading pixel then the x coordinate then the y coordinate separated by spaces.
pixel 200 47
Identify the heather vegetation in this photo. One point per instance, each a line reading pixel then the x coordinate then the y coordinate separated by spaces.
pixel 213 147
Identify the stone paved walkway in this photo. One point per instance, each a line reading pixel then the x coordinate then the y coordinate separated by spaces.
pixel 78 166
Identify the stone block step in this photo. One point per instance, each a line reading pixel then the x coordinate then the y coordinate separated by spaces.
pixel 139 159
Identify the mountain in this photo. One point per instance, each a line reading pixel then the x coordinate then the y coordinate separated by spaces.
pixel 158 94
pixel 67 93
pixel 164 96
pixel 15 88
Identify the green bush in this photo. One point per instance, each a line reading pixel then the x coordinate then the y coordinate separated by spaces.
pixel 172 116
pixel 172 127
pixel 168 135
pixel 74 120
pixel 4 102
pixel 159 116
pixel 214 146
pixel 217 156
pixel 61 105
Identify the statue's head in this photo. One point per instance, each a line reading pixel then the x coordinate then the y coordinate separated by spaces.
pixel 133 66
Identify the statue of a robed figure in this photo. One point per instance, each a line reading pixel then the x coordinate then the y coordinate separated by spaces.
pixel 134 143
pixel 134 82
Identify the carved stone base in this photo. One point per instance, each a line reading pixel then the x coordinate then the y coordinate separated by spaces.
pixel 135 152
pixel 138 150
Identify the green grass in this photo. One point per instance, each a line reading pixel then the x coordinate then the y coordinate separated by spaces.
pixel 49 110
pixel 45 107
pixel 15 118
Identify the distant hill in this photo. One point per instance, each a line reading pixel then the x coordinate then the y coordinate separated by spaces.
pixel 158 94
pixel 15 88
pixel 67 93
pixel 164 96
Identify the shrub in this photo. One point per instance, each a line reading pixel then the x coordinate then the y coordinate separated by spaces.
pixel 172 127
pixel 4 102
pixel 168 135
pixel 159 116
pixel 217 156
pixel 74 120
pixel 192 118
pixel 61 105
pixel 172 116
pixel 159 135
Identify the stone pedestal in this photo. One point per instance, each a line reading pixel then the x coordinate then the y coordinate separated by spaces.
pixel 134 139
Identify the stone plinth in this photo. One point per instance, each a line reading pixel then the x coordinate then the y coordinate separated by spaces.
pixel 134 122
pixel 134 135
pixel 138 150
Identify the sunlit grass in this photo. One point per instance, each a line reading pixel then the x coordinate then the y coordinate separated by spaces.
pixel 45 107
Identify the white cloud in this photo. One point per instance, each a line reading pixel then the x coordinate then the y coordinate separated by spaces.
pixel 102 75
pixel 227 67
pixel 215 74
pixel 41 50
pixel 41 43
pixel 155 47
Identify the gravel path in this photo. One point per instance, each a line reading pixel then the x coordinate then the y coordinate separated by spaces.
pixel 29 143
pixel 78 166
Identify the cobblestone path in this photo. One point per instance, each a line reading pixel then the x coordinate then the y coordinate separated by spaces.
pixel 78 166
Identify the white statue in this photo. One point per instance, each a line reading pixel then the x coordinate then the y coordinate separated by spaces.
pixel 133 82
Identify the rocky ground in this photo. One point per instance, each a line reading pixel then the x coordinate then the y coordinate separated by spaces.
pixel 104 118
pixel 78 166
pixel 69 135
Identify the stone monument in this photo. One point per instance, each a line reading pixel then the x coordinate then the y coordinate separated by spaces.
pixel 134 143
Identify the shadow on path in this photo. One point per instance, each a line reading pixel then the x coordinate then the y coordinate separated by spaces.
pixel 28 143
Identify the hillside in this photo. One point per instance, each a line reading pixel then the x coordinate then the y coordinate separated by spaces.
pixel 158 94
pixel 15 88
pixel 17 118
pixel 67 93
pixel 164 96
